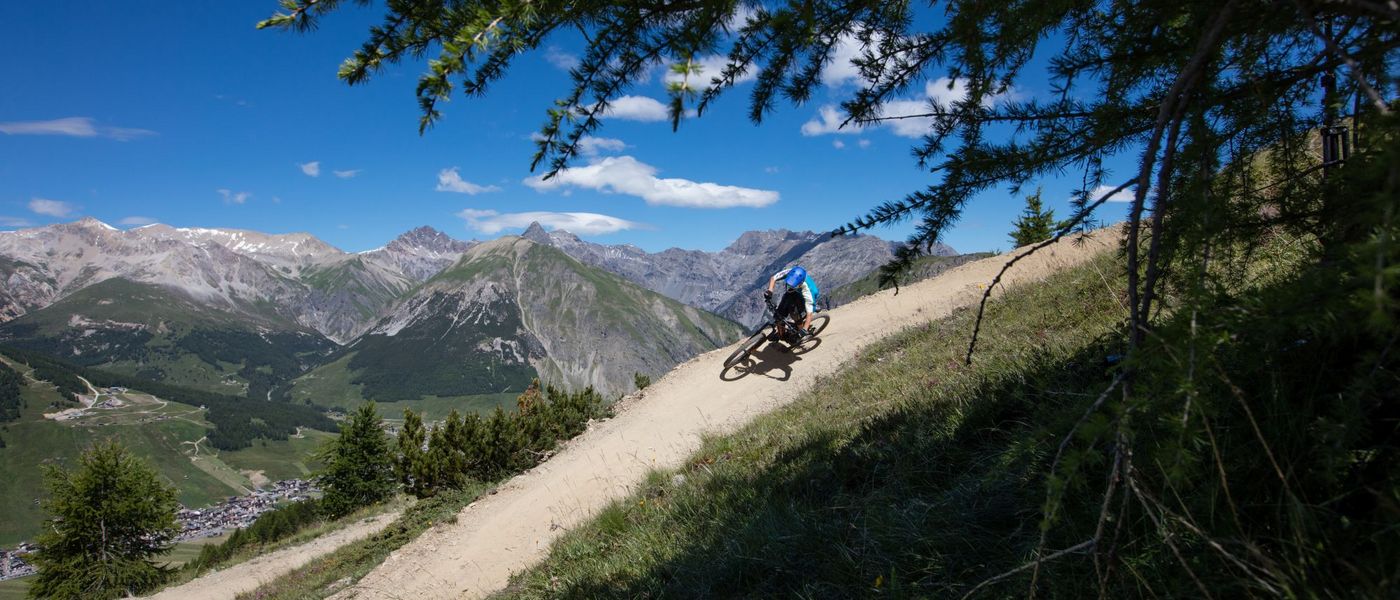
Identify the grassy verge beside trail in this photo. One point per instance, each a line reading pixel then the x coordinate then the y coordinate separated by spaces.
pixel 904 471
pixel 191 552
pixel 340 569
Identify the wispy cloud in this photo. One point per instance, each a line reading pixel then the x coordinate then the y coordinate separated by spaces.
pixel 312 168
pixel 15 222
pixel 1124 195
pixel 450 181
pixel 51 208
pixel 592 146
pixel 560 59
pixel 905 117
pixel 136 221
pixel 346 174
pixel 838 144
pixel 637 108
pixel 582 223
pixel 627 175
pixel 86 127
pixel 232 197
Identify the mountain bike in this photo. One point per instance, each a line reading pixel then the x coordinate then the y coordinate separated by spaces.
pixel 796 339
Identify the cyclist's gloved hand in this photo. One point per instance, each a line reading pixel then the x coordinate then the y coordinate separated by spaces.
pixel 767 294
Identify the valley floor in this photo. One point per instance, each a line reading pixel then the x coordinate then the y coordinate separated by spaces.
pixel 509 530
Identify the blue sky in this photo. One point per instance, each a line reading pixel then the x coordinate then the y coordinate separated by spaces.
pixel 183 113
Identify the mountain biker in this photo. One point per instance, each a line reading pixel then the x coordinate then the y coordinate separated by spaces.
pixel 801 295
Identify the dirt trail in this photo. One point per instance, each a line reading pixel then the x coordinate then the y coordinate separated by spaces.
pixel 247 576
pixel 512 529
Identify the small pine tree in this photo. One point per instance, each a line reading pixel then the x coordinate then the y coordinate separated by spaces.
pixel 359 465
pixel 1035 225
pixel 107 519
pixel 642 381
pixel 408 463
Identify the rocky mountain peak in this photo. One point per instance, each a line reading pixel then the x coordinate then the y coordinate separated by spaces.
pixel 755 242
pixel 430 239
pixel 536 233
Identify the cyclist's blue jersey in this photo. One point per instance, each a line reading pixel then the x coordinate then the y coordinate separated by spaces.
pixel 808 288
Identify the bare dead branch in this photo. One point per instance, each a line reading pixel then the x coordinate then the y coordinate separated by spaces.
pixel 1081 546
pixel 1065 230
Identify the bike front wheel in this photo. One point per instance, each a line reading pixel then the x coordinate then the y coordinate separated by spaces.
pixel 746 347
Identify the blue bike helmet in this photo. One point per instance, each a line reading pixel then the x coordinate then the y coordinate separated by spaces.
pixel 796 276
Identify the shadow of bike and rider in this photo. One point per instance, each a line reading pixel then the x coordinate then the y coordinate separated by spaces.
pixel 774 360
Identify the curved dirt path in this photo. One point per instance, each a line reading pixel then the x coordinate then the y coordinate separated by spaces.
pixel 247 576
pixel 512 529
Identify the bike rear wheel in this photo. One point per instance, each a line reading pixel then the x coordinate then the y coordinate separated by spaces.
pixel 747 347
pixel 819 324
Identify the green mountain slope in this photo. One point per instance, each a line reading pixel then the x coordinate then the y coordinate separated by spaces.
pixel 173 437
pixel 509 311
pixel 162 334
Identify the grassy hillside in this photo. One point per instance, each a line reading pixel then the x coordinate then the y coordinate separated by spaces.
pixel 909 474
pixel 170 436
pixel 160 334
pixel 899 474
pixel 33 441
pixel 332 386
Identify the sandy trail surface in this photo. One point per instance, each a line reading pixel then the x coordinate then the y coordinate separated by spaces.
pixel 247 576
pixel 512 529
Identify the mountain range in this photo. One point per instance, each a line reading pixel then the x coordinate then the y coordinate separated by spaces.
pixel 245 312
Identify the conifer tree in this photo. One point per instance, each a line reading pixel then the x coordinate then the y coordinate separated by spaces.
pixel 359 464
pixel 409 463
pixel 107 520
pixel 1035 224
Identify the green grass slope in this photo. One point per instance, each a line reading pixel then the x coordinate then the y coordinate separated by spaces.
pixel 900 475
pixel 161 334
pixel 172 437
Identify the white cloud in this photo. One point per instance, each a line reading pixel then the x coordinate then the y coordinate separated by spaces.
pixel 592 146
pixel 312 168
pixel 902 115
pixel 770 170
pixel 627 175
pixel 711 66
pixel 346 174
pixel 828 120
pixel 51 208
pixel 450 181
pixel 15 222
pixel 863 143
pixel 582 223
pixel 637 108
pixel 838 144
pixel 231 197
pixel 136 221
pixel 1123 195
pixel 73 127
pixel 840 70
pixel 560 59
